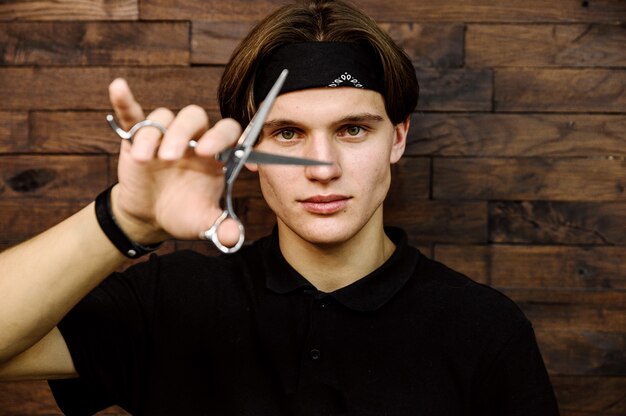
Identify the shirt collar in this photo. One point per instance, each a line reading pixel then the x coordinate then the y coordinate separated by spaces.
pixel 366 294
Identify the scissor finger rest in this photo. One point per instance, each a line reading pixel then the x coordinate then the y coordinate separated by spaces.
pixel 211 233
pixel 128 135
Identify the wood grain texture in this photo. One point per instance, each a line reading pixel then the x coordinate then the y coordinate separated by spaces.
pixel 402 11
pixel 584 90
pixel 71 132
pixel 212 42
pixel 575 45
pixel 13 132
pixel 429 45
pixel 592 267
pixel 34 398
pixel 545 222
pixel 455 90
pixel 591 395
pixel 439 221
pixel 27 398
pixel 529 179
pixel 514 172
pixel 474 261
pixel 25 218
pixel 583 353
pixel 410 181
pixel 69 10
pixel 489 11
pixel 76 132
pixel 517 135
pixel 50 89
pixel 94 43
pixel 52 177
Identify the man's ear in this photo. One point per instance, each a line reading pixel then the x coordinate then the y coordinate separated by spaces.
pixel 401 130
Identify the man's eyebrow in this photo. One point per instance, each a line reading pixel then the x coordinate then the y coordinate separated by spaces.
pixel 361 118
pixel 351 118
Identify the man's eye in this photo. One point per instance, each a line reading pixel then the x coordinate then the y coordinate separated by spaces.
pixel 353 130
pixel 287 134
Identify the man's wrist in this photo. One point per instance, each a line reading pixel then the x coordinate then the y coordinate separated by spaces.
pixel 113 227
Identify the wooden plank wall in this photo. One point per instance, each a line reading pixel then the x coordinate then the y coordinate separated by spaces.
pixel 515 171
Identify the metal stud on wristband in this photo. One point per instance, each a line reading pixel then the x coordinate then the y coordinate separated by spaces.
pixel 106 220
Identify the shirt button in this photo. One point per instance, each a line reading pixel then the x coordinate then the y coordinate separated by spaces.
pixel 322 305
pixel 315 354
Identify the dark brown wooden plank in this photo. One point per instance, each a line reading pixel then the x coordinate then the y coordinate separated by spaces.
pixel 583 352
pixel 520 135
pixel 212 42
pixel 572 309
pixel 566 297
pixel 439 221
pixel 69 10
pixel 402 11
pixel 595 395
pixel 529 179
pixel 542 222
pixel 471 260
pixel 72 132
pixel 34 398
pixel 584 90
pixel 429 45
pixel 561 267
pixel 86 88
pixel 27 398
pixel 579 45
pixel 52 177
pixel 549 315
pixel 571 267
pixel 13 131
pixel 213 10
pixel 455 90
pixel 23 219
pixel 500 11
pixel 410 181
pixel 94 43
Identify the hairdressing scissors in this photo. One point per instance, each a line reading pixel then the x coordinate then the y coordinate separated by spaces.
pixel 234 159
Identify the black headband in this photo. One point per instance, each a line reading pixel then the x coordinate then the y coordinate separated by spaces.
pixel 320 64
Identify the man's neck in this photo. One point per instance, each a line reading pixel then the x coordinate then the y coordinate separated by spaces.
pixel 331 267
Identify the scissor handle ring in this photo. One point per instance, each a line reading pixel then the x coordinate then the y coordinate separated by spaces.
pixel 211 234
pixel 128 135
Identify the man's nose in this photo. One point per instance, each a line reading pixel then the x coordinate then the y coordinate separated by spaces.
pixel 323 148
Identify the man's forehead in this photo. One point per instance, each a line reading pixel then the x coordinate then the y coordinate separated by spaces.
pixel 328 104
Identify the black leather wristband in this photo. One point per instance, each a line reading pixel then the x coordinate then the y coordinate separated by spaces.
pixel 105 217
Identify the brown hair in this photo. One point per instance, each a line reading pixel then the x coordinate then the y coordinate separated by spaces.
pixel 316 20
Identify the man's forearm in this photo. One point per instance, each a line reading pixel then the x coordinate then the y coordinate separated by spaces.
pixel 41 279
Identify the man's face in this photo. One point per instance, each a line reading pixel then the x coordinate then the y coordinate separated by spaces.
pixel 348 127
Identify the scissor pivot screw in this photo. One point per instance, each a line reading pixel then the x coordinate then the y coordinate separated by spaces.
pixel 239 153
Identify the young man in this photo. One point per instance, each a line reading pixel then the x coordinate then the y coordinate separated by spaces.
pixel 332 314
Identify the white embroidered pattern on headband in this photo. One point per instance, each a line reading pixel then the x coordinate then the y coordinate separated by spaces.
pixel 346 78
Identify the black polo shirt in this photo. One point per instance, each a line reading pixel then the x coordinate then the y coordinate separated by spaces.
pixel 245 334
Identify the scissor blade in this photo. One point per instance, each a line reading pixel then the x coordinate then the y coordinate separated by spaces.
pixel 272 159
pixel 256 124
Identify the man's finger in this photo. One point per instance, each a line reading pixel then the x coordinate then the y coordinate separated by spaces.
pixel 189 124
pixel 127 111
pixel 224 134
pixel 147 139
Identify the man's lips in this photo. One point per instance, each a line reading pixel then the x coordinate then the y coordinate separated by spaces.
pixel 325 204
